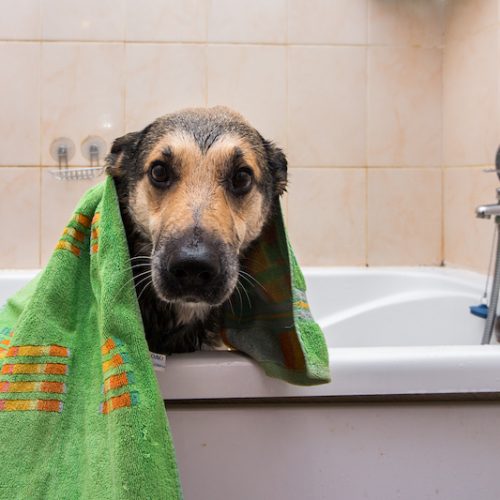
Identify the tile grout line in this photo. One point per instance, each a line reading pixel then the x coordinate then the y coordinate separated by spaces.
pixel 443 212
pixel 215 43
pixel 205 47
pixel 40 141
pixel 125 67
pixel 287 98
pixel 367 93
pixel 125 89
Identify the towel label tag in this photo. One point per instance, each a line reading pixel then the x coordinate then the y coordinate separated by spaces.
pixel 159 361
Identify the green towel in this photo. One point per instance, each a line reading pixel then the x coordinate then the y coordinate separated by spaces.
pixel 270 318
pixel 81 414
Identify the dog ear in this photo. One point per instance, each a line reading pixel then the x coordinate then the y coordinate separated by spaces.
pixel 277 162
pixel 123 148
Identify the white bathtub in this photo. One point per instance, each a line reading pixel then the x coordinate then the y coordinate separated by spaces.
pixel 389 331
pixel 411 413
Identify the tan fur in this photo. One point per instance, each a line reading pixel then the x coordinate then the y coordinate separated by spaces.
pixel 199 198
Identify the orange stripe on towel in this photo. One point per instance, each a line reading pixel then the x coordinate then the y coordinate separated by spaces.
pixel 115 361
pixel 122 401
pixel 47 368
pixel 108 345
pixel 74 233
pixel 31 404
pixel 115 381
pixel 96 217
pixel 302 304
pixel 83 220
pixel 53 387
pixel 66 245
pixel 38 350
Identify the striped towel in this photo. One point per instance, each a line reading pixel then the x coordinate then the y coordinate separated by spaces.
pixel 81 414
pixel 271 321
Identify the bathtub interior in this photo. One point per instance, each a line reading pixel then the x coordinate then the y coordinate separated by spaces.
pixel 370 307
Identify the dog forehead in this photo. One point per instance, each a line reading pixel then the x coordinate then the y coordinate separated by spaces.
pixel 206 126
pixel 184 148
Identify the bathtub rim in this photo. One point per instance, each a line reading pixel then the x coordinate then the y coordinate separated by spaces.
pixel 428 372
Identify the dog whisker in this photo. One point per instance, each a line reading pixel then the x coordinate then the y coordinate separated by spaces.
pixel 246 280
pixel 145 273
pixel 148 257
pixel 143 280
pixel 246 293
pixel 249 276
pixel 231 305
pixel 130 281
pixel 241 300
pixel 135 266
pixel 144 288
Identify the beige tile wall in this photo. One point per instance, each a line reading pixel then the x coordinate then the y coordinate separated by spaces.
pixel 387 110
pixel 471 128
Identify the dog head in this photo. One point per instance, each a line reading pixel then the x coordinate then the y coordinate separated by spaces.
pixel 198 186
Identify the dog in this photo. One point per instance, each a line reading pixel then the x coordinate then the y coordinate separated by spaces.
pixel 195 190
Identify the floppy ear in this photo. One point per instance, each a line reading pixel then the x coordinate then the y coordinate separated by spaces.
pixel 277 162
pixel 122 149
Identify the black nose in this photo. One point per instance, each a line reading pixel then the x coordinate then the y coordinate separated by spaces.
pixel 194 266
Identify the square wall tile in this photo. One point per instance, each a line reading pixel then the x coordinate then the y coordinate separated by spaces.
pixel 327 21
pixel 82 94
pixel 326 215
pixel 22 21
pixel 404 217
pixel 467 239
pixel 406 22
pixel 404 106
pixel 247 21
pixel 20 210
pixel 90 20
pixel 252 80
pixel 470 100
pixel 20 104
pixel 166 20
pixel 58 203
pixel 467 17
pixel 326 106
pixel 162 79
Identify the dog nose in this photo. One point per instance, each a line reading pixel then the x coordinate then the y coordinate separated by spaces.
pixel 194 266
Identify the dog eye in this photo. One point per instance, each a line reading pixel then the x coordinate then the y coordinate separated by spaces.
pixel 242 181
pixel 160 174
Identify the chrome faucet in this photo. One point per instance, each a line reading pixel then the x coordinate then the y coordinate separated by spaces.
pixel 486 212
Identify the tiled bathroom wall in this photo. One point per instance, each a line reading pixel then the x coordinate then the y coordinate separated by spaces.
pixel 471 128
pixel 387 110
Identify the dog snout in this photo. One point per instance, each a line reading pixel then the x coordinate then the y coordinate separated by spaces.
pixel 194 267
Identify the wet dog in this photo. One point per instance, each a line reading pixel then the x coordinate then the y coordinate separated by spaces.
pixel 195 189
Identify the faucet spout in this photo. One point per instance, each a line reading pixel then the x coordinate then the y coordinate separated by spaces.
pixel 488 211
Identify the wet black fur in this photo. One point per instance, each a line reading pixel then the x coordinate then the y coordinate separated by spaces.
pixel 125 164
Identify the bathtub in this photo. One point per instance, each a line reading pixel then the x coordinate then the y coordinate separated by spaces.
pixel 411 413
